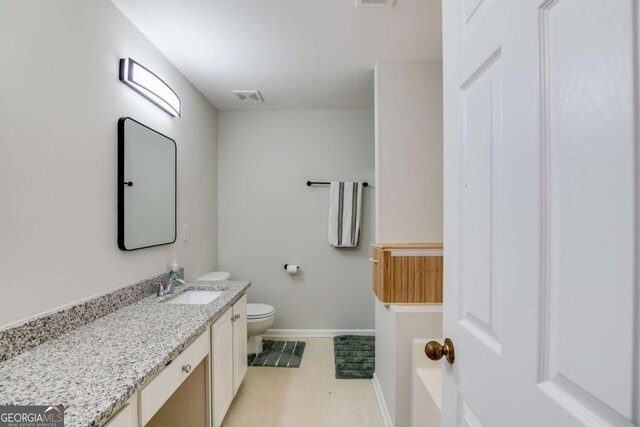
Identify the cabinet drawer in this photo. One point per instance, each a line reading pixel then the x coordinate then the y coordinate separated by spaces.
pixel 160 389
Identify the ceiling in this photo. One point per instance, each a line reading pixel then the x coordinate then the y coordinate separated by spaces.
pixel 298 53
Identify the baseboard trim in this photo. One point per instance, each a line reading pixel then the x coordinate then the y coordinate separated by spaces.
pixel 386 417
pixel 319 333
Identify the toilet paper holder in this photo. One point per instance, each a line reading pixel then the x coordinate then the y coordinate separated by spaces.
pixel 287 265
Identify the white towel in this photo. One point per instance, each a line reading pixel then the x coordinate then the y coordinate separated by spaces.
pixel 345 199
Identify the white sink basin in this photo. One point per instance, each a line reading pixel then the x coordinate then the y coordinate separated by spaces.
pixel 195 297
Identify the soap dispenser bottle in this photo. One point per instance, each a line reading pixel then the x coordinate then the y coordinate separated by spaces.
pixel 173 276
pixel 174 269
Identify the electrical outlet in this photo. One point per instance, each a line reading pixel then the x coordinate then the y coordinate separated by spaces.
pixel 185 233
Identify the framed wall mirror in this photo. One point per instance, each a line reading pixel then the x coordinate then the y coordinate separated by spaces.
pixel 146 186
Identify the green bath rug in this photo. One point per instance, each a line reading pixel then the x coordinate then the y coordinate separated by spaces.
pixel 281 354
pixel 354 356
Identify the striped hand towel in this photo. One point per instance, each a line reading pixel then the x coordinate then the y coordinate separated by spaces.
pixel 344 214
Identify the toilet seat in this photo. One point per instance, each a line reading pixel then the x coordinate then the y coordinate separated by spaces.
pixel 251 319
pixel 259 311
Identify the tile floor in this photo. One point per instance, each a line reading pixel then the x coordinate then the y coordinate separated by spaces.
pixel 307 396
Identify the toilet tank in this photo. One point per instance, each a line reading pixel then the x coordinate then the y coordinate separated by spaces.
pixel 215 276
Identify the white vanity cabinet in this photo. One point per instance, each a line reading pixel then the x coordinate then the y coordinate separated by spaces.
pixel 228 357
pixel 197 387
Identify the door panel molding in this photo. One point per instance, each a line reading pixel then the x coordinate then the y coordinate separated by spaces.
pixel 580 210
pixel 480 103
pixel 472 11
pixel 466 416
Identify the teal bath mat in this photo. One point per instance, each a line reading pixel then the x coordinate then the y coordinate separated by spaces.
pixel 354 356
pixel 280 354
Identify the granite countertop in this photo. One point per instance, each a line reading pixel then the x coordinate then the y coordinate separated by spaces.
pixel 94 369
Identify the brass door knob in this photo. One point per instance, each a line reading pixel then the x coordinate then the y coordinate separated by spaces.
pixel 434 350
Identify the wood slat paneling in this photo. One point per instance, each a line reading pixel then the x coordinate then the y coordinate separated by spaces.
pixel 407 279
pixel 385 246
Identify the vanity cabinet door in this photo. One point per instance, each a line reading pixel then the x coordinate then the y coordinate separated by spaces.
pixel 222 366
pixel 239 342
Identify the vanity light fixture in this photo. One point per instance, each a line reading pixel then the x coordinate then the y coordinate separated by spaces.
pixel 146 83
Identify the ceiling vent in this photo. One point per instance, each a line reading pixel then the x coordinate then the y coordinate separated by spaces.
pixel 249 95
pixel 375 3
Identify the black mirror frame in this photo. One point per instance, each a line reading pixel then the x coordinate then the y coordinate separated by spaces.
pixel 121 186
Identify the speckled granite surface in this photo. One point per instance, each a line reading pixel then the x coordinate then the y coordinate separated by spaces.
pixel 94 369
pixel 20 338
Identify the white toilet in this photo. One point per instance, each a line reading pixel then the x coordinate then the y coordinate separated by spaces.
pixel 260 317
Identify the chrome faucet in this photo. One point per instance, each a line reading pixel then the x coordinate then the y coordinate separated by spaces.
pixel 168 288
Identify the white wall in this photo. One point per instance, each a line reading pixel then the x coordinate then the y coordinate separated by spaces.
pixel 408 122
pixel 269 217
pixel 408 98
pixel 396 327
pixel 60 99
pixel 386 364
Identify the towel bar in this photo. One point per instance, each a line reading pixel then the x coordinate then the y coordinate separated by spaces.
pixel 310 183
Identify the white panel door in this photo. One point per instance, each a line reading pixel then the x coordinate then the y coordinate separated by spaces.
pixel 222 366
pixel 541 294
pixel 239 342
